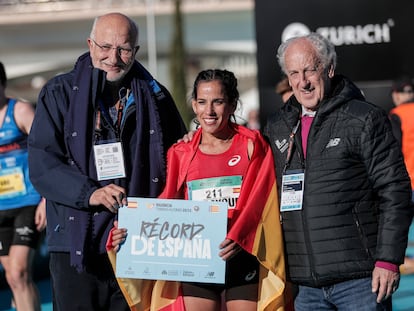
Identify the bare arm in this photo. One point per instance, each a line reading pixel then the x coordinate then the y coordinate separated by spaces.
pixel 24 115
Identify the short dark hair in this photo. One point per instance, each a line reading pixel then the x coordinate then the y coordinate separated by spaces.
pixel 3 78
pixel 403 84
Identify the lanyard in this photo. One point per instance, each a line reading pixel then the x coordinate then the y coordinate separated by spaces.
pixel 123 97
pixel 116 126
pixel 290 147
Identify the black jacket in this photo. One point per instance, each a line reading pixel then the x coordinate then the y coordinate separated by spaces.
pixel 356 205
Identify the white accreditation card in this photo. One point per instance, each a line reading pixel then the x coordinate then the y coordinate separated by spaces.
pixel 109 161
pixel 292 191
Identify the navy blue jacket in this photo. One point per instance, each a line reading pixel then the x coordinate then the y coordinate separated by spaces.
pixel 61 157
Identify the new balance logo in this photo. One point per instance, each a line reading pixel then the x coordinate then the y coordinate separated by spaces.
pixel 281 145
pixel 333 142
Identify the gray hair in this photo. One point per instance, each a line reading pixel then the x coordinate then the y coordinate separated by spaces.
pixel 323 47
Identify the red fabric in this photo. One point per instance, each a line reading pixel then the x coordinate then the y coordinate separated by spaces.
pixel 387 265
pixel 197 168
pixel 108 244
pixel 255 188
pixel 177 305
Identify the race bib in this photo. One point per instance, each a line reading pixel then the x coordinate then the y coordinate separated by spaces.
pixel 12 182
pixel 219 189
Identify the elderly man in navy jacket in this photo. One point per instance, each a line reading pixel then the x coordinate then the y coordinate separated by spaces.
pixel 100 134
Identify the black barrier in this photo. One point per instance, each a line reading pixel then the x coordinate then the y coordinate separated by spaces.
pixel 373 39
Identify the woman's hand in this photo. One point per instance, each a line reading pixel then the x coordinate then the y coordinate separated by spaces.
pixel 118 236
pixel 229 248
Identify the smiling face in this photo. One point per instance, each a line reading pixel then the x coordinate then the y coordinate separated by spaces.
pixel 309 80
pixel 111 37
pixel 212 108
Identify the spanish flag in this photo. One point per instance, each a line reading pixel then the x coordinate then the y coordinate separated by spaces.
pixel 255 226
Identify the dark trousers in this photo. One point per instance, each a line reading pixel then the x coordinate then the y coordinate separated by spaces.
pixel 94 289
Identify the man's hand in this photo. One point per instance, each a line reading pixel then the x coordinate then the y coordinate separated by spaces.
pixel 111 196
pixel 187 137
pixel 40 215
pixel 384 283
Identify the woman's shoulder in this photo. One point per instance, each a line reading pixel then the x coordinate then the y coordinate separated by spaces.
pixel 247 133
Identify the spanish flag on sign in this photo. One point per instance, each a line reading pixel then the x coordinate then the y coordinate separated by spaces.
pixel 214 209
pixel 236 190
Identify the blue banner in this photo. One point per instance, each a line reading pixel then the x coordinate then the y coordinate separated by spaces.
pixel 174 240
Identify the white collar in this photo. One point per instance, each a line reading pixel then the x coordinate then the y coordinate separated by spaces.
pixel 308 113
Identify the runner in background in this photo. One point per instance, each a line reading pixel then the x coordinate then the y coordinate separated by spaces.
pixel 22 211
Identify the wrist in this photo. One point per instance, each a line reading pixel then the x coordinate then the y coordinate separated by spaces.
pixel 387 265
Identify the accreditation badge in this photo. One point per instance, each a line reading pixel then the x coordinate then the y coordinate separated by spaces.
pixel 109 161
pixel 292 191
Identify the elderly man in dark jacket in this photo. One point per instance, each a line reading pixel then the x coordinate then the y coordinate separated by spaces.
pixel 100 134
pixel 345 192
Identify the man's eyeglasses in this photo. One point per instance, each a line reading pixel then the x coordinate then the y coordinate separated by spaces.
pixel 122 52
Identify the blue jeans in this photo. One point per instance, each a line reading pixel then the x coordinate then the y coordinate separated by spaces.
pixel 353 295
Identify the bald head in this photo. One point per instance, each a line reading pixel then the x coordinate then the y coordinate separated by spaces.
pixel 113 45
pixel 114 20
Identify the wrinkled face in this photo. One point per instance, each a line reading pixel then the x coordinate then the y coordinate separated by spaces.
pixel 307 77
pixel 212 108
pixel 112 48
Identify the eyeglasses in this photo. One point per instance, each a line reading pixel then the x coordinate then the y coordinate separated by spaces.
pixel 122 52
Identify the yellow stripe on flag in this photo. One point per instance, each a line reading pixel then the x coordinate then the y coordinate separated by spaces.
pixel 133 204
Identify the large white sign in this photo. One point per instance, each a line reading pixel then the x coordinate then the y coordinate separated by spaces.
pixel 176 240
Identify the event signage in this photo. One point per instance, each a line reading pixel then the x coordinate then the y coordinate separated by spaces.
pixel 374 46
pixel 174 240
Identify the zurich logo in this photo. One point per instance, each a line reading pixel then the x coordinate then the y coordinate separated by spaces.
pixel 294 30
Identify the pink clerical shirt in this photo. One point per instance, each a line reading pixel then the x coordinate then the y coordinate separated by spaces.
pixel 306 124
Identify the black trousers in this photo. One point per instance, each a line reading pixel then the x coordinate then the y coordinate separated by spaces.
pixel 94 289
